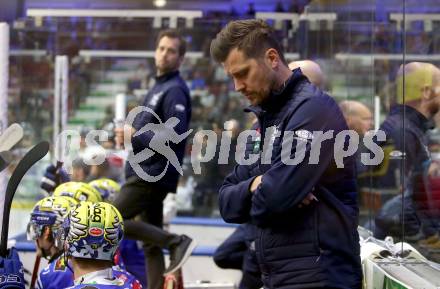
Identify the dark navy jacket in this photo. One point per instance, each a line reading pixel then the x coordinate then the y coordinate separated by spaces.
pixel 169 97
pixel 316 245
pixel 405 129
pixel 406 146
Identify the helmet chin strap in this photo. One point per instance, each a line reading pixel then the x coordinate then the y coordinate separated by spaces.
pixel 66 261
pixel 65 256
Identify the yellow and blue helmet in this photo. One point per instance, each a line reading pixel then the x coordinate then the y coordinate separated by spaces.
pixel 49 212
pixel 108 188
pixel 79 191
pixel 93 231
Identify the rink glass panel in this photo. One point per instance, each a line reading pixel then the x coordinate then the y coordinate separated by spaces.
pixel 359 54
pixel 30 103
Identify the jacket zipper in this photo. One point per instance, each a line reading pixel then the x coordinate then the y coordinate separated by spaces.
pixel 262 259
pixel 263 130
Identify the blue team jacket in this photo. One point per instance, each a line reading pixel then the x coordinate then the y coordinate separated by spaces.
pixel 169 97
pixel 316 245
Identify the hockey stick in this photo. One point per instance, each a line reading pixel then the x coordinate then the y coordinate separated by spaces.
pixel 33 156
pixel 35 271
pixel 10 137
pixel 58 167
pixel 174 280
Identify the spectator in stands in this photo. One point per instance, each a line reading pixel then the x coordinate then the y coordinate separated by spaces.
pixel 297 6
pixel 80 171
pixel 360 120
pixel 251 9
pixel 198 81
pixel 357 115
pixel 279 7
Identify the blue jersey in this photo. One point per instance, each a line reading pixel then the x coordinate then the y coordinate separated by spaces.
pixel 57 275
pixel 133 259
pixel 107 279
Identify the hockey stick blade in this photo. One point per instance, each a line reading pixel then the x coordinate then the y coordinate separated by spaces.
pixel 10 137
pixel 33 156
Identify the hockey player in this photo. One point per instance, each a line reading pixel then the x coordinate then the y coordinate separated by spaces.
pixel 93 232
pixel 58 274
pixel 132 256
pixel 179 246
pixel 45 225
pixel 79 191
pixel 108 188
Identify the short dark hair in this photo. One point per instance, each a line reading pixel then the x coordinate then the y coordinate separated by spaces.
pixel 173 33
pixel 252 36
pixel 78 163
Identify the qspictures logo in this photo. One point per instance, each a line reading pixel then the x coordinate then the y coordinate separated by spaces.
pixel 289 147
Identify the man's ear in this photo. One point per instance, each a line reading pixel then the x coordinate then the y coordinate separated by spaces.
pixel 427 93
pixel 272 57
pixel 349 121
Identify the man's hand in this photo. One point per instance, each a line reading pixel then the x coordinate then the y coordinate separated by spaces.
pixel 308 200
pixel 434 169
pixel 255 183
pixel 305 202
pixel 53 178
pixel 11 271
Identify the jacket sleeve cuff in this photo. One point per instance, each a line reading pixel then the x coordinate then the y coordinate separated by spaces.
pixel 246 185
pixel 235 202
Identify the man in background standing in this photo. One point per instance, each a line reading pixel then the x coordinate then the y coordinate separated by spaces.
pixel 169 99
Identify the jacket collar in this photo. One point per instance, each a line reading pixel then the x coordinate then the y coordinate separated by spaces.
pixel 166 76
pixel 92 277
pixel 413 115
pixel 277 99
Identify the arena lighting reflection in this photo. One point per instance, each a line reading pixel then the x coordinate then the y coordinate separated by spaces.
pixel 160 3
pixel 239 6
pixel 157 15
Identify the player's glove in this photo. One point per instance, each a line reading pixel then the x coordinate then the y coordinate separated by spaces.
pixel 53 178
